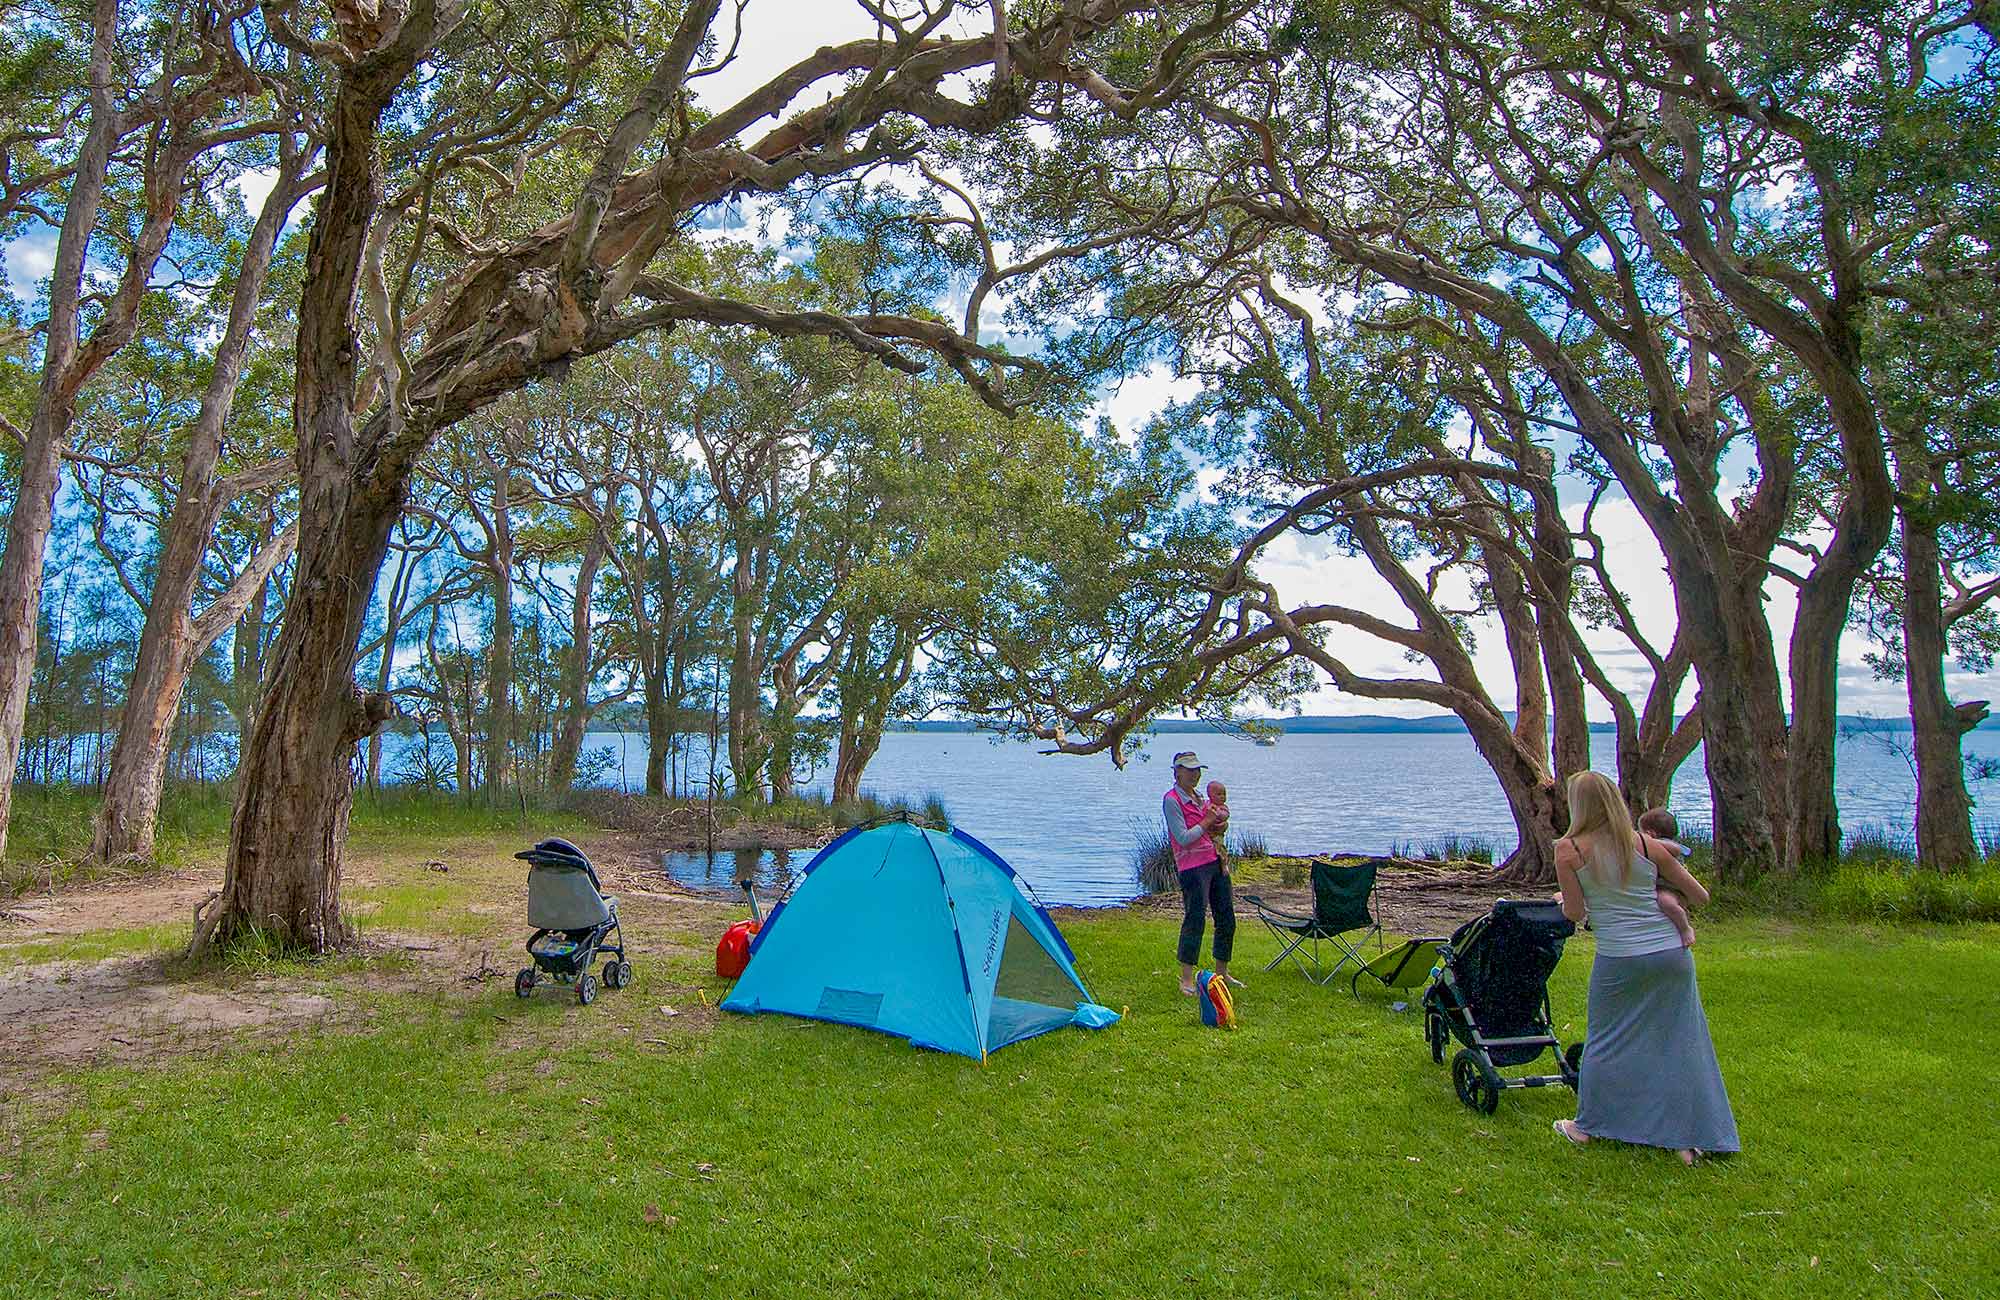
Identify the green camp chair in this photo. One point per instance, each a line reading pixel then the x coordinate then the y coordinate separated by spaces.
pixel 1405 966
pixel 1340 907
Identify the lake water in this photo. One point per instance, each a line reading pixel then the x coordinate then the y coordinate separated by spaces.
pixel 1069 823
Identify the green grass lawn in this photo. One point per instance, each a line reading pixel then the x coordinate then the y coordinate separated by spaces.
pixel 488 1148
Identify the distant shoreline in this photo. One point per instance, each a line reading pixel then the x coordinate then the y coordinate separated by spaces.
pixel 1360 724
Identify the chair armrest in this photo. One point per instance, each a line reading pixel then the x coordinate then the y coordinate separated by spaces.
pixel 1265 910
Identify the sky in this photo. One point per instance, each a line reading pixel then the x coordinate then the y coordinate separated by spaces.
pixel 780 32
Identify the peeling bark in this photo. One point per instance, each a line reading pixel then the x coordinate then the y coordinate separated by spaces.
pixel 577 672
pixel 295 778
pixel 169 643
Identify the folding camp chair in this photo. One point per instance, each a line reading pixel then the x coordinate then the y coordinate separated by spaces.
pixel 1340 907
pixel 1405 966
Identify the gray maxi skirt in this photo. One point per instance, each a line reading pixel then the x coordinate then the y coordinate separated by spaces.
pixel 1649 1069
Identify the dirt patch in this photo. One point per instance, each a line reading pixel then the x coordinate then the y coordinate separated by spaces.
pixel 123 904
pixel 128 1009
pixel 137 1009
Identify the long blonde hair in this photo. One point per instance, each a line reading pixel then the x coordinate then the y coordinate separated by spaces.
pixel 1597 810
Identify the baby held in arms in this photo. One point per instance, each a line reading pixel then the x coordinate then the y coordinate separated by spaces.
pixel 1218 797
pixel 1664 827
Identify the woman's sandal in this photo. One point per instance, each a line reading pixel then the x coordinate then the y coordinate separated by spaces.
pixel 1571 1133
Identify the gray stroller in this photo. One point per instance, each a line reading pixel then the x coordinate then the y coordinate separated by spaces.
pixel 574 920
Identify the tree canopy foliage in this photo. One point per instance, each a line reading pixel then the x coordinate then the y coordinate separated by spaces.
pixel 475 364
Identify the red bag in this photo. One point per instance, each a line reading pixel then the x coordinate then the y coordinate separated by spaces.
pixel 732 952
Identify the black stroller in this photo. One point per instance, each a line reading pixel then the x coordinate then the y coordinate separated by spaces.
pixel 1490 991
pixel 574 922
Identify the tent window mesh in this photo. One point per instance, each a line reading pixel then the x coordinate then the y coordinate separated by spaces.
pixel 1029 974
pixel 850 1007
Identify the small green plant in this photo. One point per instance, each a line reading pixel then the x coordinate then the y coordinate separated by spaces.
pixel 1153 860
pixel 1449 847
pixel 1250 844
pixel 1873 844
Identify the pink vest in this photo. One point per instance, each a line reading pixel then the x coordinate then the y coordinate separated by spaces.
pixel 1200 853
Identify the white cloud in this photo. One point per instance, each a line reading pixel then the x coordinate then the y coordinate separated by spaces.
pixel 28 259
pixel 1138 398
pixel 780 33
pixel 254 186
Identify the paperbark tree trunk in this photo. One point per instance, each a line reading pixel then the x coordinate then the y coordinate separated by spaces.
pixel 659 732
pixel 55 407
pixel 1861 527
pixel 1945 840
pixel 1524 652
pixel 172 642
pixel 1733 755
pixel 295 779
pixel 858 747
pixel 781 729
pixel 168 645
pixel 793 682
pixel 577 672
pixel 1652 752
pixel 179 107
pixel 868 688
pixel 499 561
pixel 1533 800
pixel 1554 561
pixel 749 749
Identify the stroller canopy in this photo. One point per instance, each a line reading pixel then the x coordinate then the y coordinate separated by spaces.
pixel 1502 963
pixel 923 934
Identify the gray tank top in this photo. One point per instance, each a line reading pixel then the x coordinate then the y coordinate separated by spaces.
pixel 1626 918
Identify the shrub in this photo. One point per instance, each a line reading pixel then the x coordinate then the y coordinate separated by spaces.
pixel 1865 893
pixel 1153 860
pixel 853 812
pixel 1872 844
pixel 1250 844
pixel 1450 847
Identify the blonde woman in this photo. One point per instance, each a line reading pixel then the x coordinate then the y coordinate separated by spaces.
pixel 1649 1070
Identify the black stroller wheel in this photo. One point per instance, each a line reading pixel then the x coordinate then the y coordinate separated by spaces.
pixel 1434 1034
pixel 617 974
pixel 586 988
pixel 524 983
pixel 1475 1087
pixel 1573 1063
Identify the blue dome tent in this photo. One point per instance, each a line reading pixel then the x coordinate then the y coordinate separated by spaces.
pixel 919 933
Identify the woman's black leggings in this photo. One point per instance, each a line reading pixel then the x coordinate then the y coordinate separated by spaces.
pixel 1203 888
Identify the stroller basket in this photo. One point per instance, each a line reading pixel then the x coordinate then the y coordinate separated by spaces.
pixel 1490 992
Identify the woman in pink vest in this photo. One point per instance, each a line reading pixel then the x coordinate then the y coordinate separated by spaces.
pixel 1192 824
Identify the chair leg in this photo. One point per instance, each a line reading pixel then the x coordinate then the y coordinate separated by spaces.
pixel 1292 951
pixel 1291 941
pixel 1348 953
